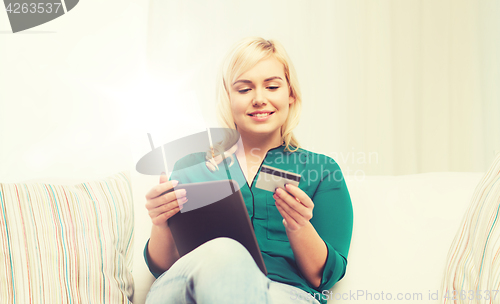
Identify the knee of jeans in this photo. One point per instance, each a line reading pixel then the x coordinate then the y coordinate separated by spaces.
pixel 226 249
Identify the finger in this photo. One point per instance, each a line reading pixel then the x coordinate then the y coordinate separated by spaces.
pixel 165 198
pixel 292 223
pixel 299 194
pixel 163 178
pixel 163 217
pixel 167 207
pixel 293 203
pixel 291 213
pixel 161 188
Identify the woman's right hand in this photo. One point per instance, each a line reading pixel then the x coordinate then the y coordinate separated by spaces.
pixel 161 206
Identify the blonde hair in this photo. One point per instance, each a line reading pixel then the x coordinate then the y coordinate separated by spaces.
pixel 243 56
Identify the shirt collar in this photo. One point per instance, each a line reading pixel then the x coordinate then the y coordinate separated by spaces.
pixel 280 148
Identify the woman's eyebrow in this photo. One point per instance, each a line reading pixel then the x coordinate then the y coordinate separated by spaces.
pixel 265 80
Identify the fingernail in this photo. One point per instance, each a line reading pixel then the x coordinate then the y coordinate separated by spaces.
pixel 174 183
pixel 163 173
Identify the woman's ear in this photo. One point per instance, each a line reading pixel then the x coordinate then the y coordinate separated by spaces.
pixel 291 98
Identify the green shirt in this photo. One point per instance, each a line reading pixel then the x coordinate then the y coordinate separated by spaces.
pixel 321 179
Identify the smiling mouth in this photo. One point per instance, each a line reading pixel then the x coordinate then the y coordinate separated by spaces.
pixel 261 114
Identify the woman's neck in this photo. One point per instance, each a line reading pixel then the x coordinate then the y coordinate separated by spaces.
pixel 251 152
pixel 256 147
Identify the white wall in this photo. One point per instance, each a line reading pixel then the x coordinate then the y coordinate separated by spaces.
pixel 60 111
pixel 389 87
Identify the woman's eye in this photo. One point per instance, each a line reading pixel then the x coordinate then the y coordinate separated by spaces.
pixel 243 91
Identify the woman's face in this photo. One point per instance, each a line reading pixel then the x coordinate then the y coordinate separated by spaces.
pixel 260 99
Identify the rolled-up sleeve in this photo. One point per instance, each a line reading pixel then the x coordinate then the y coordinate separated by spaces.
pixel 146 259
pixel 178 175
pixel 333 220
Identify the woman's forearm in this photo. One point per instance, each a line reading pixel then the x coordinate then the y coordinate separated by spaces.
pixel 310 252
pixel 161 249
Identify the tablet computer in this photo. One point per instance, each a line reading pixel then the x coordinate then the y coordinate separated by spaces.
pixel 214 209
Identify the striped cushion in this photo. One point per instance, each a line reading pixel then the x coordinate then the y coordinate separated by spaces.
pixel 473 260
pixel 67 244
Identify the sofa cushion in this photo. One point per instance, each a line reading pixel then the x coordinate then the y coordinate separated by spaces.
pixel 67 243
pixel 472 268
pixel 403 228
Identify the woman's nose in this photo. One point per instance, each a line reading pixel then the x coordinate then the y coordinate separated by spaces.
pixel 259 98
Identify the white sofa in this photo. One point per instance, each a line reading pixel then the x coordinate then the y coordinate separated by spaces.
pixel 403 229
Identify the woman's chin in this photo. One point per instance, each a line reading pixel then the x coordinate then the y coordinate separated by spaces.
pixel 261 132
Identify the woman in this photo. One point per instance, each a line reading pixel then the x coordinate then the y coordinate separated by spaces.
pixel 304 232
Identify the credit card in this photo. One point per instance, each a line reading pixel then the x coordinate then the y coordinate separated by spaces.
pixel 271 178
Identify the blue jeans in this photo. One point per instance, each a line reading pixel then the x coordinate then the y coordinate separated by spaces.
pixel 221 271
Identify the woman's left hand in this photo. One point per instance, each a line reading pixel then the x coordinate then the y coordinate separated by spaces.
pixel 295 206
